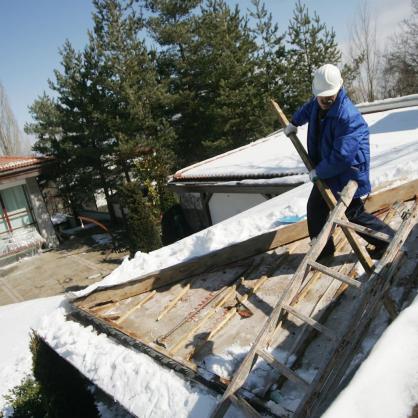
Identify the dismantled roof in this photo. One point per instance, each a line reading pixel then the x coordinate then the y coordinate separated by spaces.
pixel 192 315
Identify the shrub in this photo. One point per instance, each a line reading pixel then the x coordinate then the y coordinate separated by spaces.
pixel 141 225
pixel 63 389
pixel 26 400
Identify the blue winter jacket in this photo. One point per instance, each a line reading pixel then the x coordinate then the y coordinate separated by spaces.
pixel 342 152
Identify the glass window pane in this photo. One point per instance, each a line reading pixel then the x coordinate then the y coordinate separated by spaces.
pixel 14 200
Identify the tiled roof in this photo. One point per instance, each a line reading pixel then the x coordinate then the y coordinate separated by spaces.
pixel 11 163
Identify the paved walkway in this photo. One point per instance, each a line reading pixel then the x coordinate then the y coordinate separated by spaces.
pixel 74 265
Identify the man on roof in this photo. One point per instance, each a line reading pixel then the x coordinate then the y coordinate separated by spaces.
pixel 338 146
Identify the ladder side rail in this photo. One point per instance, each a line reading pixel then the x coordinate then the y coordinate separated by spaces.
pixel 291 290
pixel 334 368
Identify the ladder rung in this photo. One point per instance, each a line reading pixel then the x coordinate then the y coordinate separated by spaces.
pixel 363 230
pixel 289 373
pixel 335 274
pixel 310 321
pixel 248 409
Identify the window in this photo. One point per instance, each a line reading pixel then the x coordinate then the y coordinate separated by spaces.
pixel 15 211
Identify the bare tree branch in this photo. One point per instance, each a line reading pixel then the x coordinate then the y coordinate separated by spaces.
pixel 363 43
pixel 10 135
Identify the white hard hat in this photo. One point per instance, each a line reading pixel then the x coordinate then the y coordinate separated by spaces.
pixel 327 81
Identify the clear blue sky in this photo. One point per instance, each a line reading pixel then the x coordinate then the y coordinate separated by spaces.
pixel 32 31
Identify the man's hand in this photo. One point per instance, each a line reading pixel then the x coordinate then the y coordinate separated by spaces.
pixel 313 176
pixel 290 129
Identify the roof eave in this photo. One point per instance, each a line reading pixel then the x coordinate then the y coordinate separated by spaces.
pixel 237 187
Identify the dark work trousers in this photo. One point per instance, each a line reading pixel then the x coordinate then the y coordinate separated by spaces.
pixel 318 211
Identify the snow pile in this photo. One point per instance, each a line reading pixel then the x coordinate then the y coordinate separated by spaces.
pixel 20 240
pixel 102 239
pixel 134 379
pixel 16 322
pixel 59 218
pixel 386 385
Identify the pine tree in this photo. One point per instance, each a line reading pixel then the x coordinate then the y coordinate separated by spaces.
pixel 311 44
pixel 210 59
pixel 109 105
pixel 141 228
pixel 270 55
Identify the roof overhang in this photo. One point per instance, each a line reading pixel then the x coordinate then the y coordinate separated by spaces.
pixel 23 172
pixel 230 187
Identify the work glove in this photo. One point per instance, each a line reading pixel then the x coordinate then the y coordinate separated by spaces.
pixel 313 177
pixel 290 129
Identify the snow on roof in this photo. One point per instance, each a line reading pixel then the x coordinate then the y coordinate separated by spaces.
pixel 275 156
pixel 272 156
pixel 12 163
pixel 137 381
pixel 386 385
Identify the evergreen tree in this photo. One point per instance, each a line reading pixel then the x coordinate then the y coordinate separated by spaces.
pixel 271 56
pixel 210 57
pixel 311 44
pixel 141 228
pixel 108 107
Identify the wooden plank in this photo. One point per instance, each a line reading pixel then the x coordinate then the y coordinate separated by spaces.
pixel 136 307
pixel 310 321
pixel 366 231
pixel 289 373
pixel 173 303
pixel 386 198
pixel 229 293
pixel 335 274
pixel 208 300
pixel 198 265
pixel 233 310
pixel 245 406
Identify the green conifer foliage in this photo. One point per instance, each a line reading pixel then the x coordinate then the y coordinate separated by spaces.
pixel 210 57
pixel 109 106
pixel 141 225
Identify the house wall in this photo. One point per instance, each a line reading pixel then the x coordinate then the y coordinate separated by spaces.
pixel 195 212
pixel 225 205
pixel 40 212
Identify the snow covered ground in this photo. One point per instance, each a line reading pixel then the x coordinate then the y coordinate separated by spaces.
pixel 149 390
pixel 386 385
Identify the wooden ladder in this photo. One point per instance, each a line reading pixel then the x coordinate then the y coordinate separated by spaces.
pixel 259 347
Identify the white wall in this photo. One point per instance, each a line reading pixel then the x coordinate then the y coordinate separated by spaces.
pixel 43 219
pixel 225 205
